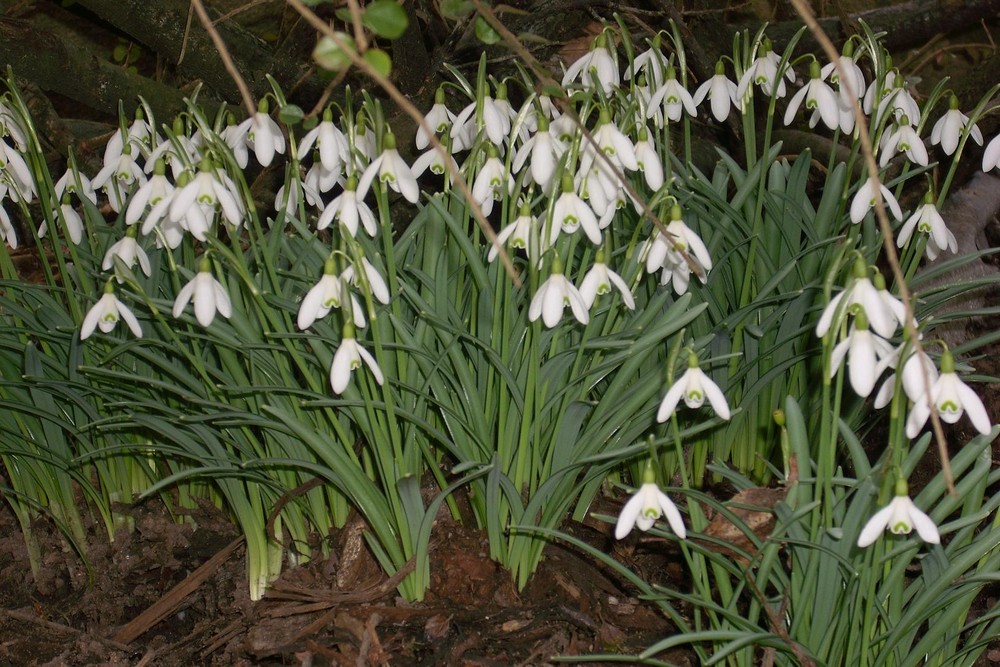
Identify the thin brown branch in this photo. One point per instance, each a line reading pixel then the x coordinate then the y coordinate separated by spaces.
pixel 227 59
pixel 887 237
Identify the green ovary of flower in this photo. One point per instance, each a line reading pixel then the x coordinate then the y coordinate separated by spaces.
pixel 206 199
pixel 900 528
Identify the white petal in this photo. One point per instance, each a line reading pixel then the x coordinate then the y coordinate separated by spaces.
pixel 875 526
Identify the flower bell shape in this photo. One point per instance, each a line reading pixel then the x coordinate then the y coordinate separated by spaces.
pixel 864 200
pixel 208 294
pixel 647 505
pixel 676 252
pixel 848 78
pixel 325 295
pixel 348 358
pixel 104 315
pixel 818 96
pixel 391 171
pixel 571 213
pixel 74 223
pixel 763 72
pixel 263 135
pixel 950 127
pixel 129 252
pixel 899 517
pixel 7 232
pixel 554 295
pixel 596 69
pixel 331 142
pixel 492 182
pixel 952 398
pixel 348 210
pixel 927 220
pixel 918 373
pixel 650 63
pixel 600 279
pixel 541 152
pixel 673 98
pixel 522 233
pixel 991 156
pixel 719 91
pixel 863 351
pixel 438 120
pixel 694 387
pixel 372 281
pixel 903 139
pixel 648 160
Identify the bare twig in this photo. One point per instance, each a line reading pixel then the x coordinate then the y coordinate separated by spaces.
pixel 227 59
pixel 887 238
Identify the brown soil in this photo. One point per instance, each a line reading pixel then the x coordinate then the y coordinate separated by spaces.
pixel 473 614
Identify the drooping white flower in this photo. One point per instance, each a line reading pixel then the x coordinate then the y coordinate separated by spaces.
pixel 7 231
pixel 991 156
pixel 952 398
pixel 650 63
pixel 863 351
pixel 763 72
pixel 522 233
pixel 647 505
pixel 648 160
pixel 677 253
pixel 571 213
pixel 595 69
pixel 694 387
pixel 391 170
pixel 864 200
pixel 72 220
pixel 492 115
pixel 74 182
pixel 672 97
pixel 950 127
pixel 903 138
pixel 899 517
pixel 104 315
pixel 848 78
pixel 149 194
pixel 898 102
pixel 859 295
pixel 194 205
pixel 438 119
pixel 554 295
pixel 348 210
pixel 927 220
pixel 119 178
pixel 208 294
pixel 542 151
pixel 919 372
pixel 818 96
pixel 141 136
pixel 493 182
pixel 14 171
pixel 128 250
pixel 600 279
pixel 372 280
pixel 331 142
pixel 720 91
pixel 348 358
pixel 325 295
pixel 262 135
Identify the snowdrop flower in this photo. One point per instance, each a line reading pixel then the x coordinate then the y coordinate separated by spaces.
pixel 438 119
pixel 599 280
pixel 817 95
pixel 544 150
pixel 140 135
pixel 876 92
pixel 952 398
pixel 597 68
pixel 694 387
pixel 916 368
pixel 927 220
pixel 348 210
pixel 117 178
pixel 571 213
pixel 208 294
pixel 673 97
pixel 326 294
pixel 104 315
pixel 373 280
pixel 363 141
pixel 496 117
pixel 647 505
pixel 7 231
pixel 522 233
pixel 260 133
pixel 650 63
pixel 193 205
pixel 991 156
pixel 612 142
pixel 949 128
pixel 392 171
pixel 763 72
pixel 899 517
pixel 73 182
pixel 863 351
pixel 860 295
pixel 648 160
pixel 348 358
pixel 492 182
pixel 14 170
pixel 898 101
pixel 854 79
pixel 129 252
pixel 72 219
pixel 149 194
pixel 331 142
pixel 554 295
pixel 10 126
pixel 903 139
pixel 864 200
pixel 720 91
pixel 676 252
